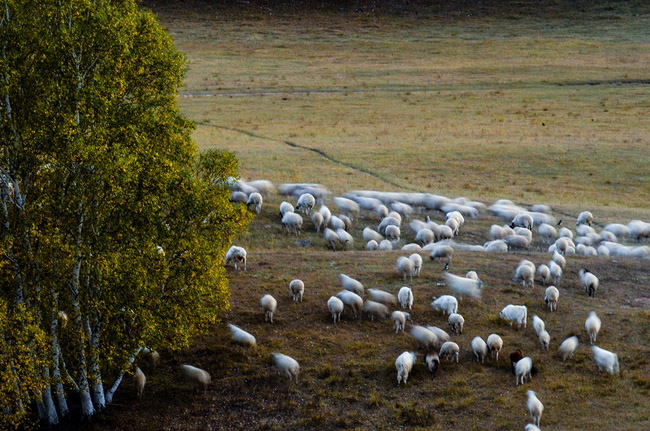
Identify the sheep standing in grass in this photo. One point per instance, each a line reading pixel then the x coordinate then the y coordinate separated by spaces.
pixel 494 344
pixel 297 288
pixel 392 234
pixel 525 273
pixel 349 283
pixel 369 234
pixel 456 322
pixel 515 314
pixel 285 207
pixel 344 238
pixel 372 245
pixel 405 297
pixel 417 263
pixel 535 407
pixel 269 304
pixel 287 365
pixel 404 365
pixel 405 266
pixel 547 232
pixel 331 238
pixel 442 252
pixel 317 219
pixel 140 380
pixel 424 236
pixel 446 303
pixel 538 324
pixel 544 339
pixel 556 272
pixel 198 377
pixel 606 360
pixel 399 318
pixel 306 203
pixel 353 300
pixel 463 286
pixel 326 213
pixel 584 217
pixel 532 427
pixel 424 336
pixel 589 281
pixel 385 245
pixel 242 337
pixel 544 274
pixel 523 369
pixel 480 349
pixel 292 222
pixel 433 363
pixel 450 350
pixel 382 297
pixel 255 201
pixel 335 307
pixel 375 309
pixel 568 348
pixel 236 256
pixel 592 326
pixel 522 220
pixel 440 333
pixel 552 295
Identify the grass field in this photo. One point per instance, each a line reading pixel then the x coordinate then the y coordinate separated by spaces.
pixel 538 106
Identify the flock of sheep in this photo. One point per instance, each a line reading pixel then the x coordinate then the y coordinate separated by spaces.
pixel 440 242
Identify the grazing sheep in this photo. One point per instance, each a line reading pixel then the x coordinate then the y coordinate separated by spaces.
pixel 151 356
pixel 292 222
pixel 592 326
pixel 238 197
pixel 331 238
pixel 424 236
pixel 568 348
pixel 480 349
pixel 515 314
pixel 285 207
pixel 589 281
pixel 388 221
pixel 565 233
pixel 347 206
pixel 198 377
pixel 404 364
pixel 433 363
pixel 526 274
pixel 402 208
pixel 382 297
pixel 392 233
pixel 522 220
pixel 264 187
pixel 561 245
pixel 532 427
pixel 444 232
pixel 372 245
pixel 517 242
pixel 498 246
pixel 237 256
pixel 584 217
pixel 535 407
pixel 450 350
pixel 544 274
pixel 287 365
pixel 424 336
pixel 541 208
pixel 381 211
pixel 399 318
pixel 326 213
pixel 473 275
pixel 456 322
pixel 353 300
pixel 344 238
pixel 463 285
pixel 385 245
pixel 417 263
pixel 336 223
pixel 559 259
pixel 455 215
pixel 440 333
pixel 538 324
pixel 524 232
pixel 317 219
pixel 453 225
pixel 306 203
pixel 446 303
pixel 255 200
pixel 606 360
pixel 140 380
pixel 619 230
pixel 552 295
pixel 405 266
pixel 241 337
pixel 547 232
pixel 297 288
pixel 349 283
pixel 498 232
pixel 544 339
pixel 556 272
pixel 269 304
pixel 522 369
pixel 442 252
pixel 515 357
pixel 405 297
pixel 335 307
pixel 411 247
pixel 494 344
pixel 375 309
pixel 369 234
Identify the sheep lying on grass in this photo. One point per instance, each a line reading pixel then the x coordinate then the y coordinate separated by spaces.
pixel 287 365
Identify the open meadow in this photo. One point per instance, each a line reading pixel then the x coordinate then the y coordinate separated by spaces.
pixel 537 106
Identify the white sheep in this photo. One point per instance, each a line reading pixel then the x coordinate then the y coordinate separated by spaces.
pixel 344 238
pixel 285 207
pixel 517 242
pixel 453 225
pixel 568 348
pixel 238 197
pixel 535 407
pixel 473 275
pixel 405 297
pixel 440 333
pixel 372 245
pixel 382 297
pixel 522 220
pixel 335 307
pixel 255 200
pixel 241 337
pixel 456 322
pixel 349 283
pixel 347 206
pixel 385 245
pixel 592 326
pixel 424 336
pixel 450 350
pixel 589 281
pixel 523 369
pixel 446 303
pixel 326 213
pixel 538 324
pixel 353 300
pixel 336 223
pixel 292 222
pixel 544 339
pixel 269 304
pixel 561 245
pixel 375 309
pixel 463 285
pixel 565 233
pixel 297 289
pixel 441 252
pixel 317 219
pixel 547 232
pixel 392 233
pixel 197 376
pixel 346 222
pixel 405 267
pixel 606 360
pixel 287 365
pixel 556 272
pixel 544 274
pixel 369 234
pixel 480 349
pixel 140 381
pixel 498 246
pixel 306 203
pixel 444 232
pixel 417 263
pixel 531 427
pixel 404 364
pixel 584 217
pixel 388 221
pixel 399 319
pixel 500 232
pixel 618 229
pixel 559 259
pixel 551 297
pixel 526 274
pixel 524 232
pixel 424 236
pixel 331 238
pixel 381 211
pixel 237 256
pixel 264 187
pixel 515 314
pixel 411 247
pixel 494 344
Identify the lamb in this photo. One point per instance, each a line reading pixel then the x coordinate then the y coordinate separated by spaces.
pixel 424 336
pixel 442 252
pixel 392 233
pixel 568 348
pixel 306 203
pixel 606 359
pixel 369 234
pixel 463 285
pixel 375 309
pixel 297 288
pixel 349 283
pixel 480 349
pixel 292 222
pixel 556 272
pixel 285 207
pixel 446 303
pixel 522 220
pixel 351 299
pixel 269 304
pixel 197 376
pixel 287 365
pixel 382 297
pixel 525 273
pixel 584 217
pixel 385 245
pixel 538 324
pixel 456 322
pixel 140 380
pixel 535 407
pixel 515 313
pixel 523 369
pixel 450 350
pixel 544 274
pixel 417 263
pixel 242 337
pixel 344 238
pixel 317 219
pixel 433 362
pixel 552 295
pixel 589 281
pixel 592 326
pixel 405 297
pixel 404 364
pixel 335 307
pixel 255 200
pixel 494 344
pixel 236 255
pixel 372 245
pixel 405 266
pixel 440 333
pixel 399 318
pixel 331 238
